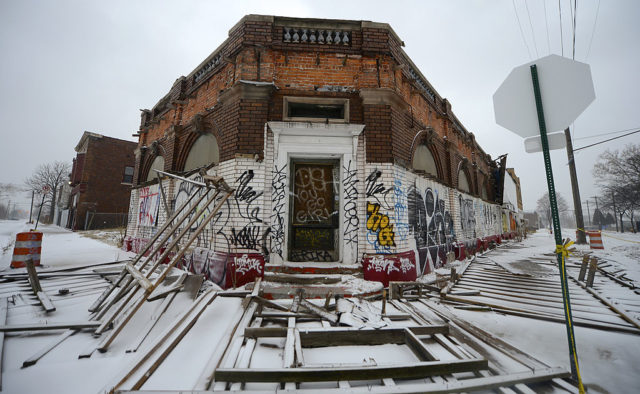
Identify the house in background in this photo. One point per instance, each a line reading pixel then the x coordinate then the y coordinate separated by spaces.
pixel 512 213
pixel 101 179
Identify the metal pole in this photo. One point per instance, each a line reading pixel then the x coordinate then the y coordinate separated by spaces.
pixel 588 212
pixel 39 210
pixel 580 236
pixel 573 354
pixel 31 208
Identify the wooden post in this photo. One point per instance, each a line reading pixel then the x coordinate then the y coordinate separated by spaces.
pixel 583 268
pixel 33 276
pixel 593 267
pixel 384 301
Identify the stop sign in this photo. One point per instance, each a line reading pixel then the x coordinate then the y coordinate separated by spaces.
pixel 566 88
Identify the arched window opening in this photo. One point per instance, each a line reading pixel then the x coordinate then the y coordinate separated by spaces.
pixel 203 152
pixel 423 160
pixel 463 181
pixel 157 164
pixel 483 191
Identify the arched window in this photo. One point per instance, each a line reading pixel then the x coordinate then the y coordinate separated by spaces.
pixel 423 160
pixel 157 164
pixel 204 151
pixel 483 191
pixel 463 182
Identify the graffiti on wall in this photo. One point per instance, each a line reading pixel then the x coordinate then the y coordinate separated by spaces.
pixel 400 206
pixel 467 216
pixel 380 227
pixel 278 197
pixel 380 234
pixel 148 206
pixel 390 267
pixel 351 219
pixel 432 227
pixel 251 235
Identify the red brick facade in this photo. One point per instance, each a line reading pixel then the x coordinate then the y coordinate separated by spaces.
pixel 386 93
pixel 98 180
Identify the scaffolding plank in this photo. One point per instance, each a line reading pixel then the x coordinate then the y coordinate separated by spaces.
pixel 399 371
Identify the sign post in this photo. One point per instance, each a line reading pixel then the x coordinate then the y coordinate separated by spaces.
pixel 518 104
pixel 561 250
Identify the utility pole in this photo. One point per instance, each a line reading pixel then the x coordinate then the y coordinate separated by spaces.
pixel 588 212
pixel 580 235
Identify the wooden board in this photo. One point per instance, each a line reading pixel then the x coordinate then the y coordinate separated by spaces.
pixel 398 371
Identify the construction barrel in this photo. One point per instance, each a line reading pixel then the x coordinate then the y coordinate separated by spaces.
pixel 28 246
pixel 595 239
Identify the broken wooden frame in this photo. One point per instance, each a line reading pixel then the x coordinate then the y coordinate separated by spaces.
pixel 228 367
pixel 140 284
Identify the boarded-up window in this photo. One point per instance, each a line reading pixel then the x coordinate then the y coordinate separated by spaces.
pixel 158 164
pixel 463 182
pixel 203 152
pixel 423 160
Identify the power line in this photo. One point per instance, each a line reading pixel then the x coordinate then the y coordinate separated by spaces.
pixel 575 14
pixel 521 31
pixel 603 134
pixel 533 34
pixel 593 31
pixel 561 35
pixel 610 139
pixel 546 24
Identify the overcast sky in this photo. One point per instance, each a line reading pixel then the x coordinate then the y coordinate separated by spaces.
pixel 70 66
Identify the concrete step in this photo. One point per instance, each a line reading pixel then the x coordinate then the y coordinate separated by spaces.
pixel 302 279
pixel 349 287
pixel 314 268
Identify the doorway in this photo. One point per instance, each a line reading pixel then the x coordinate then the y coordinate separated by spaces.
pixel 314 217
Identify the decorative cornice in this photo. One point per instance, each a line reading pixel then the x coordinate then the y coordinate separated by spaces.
pixel 382 96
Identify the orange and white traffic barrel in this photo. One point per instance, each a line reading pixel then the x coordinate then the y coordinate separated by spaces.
pixel 28 246
pixel 595 240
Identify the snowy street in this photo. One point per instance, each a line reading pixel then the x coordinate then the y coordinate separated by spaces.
pixel 606 344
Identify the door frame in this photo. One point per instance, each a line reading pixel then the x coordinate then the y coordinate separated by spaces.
pixel 299 140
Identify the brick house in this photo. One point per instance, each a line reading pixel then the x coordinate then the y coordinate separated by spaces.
pixel 100 180
pixel 339 149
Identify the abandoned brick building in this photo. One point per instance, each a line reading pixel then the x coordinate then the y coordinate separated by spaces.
pixel 339 149
pixel 100 181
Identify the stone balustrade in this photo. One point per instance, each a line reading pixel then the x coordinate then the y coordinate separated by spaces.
pixel 316 36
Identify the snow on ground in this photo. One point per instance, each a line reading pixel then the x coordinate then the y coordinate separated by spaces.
pixel 60 247
pixel 609 361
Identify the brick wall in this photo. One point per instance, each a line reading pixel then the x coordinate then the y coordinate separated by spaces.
pixel 102 176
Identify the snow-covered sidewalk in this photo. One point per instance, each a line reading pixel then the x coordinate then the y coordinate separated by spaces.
pixel 609 361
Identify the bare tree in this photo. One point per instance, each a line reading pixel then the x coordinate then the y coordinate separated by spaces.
pixel 617 174
pixel 544 206
pixel 48 178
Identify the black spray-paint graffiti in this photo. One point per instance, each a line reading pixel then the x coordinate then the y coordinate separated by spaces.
pixel 221 218
pixel 251 235
pixel 310 255
pixel 432 227
pixel 467 217
pixel 278 197
pixel 246 195
pixel 351 219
